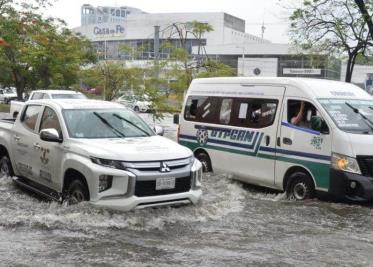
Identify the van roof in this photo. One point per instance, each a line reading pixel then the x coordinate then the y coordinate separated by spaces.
pixel 319 88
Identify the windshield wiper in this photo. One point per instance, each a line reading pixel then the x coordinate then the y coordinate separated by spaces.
pixel 134 125
pixel 104 121
pixel 366 119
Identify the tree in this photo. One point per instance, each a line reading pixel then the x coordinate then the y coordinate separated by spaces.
pixel 40 52
pixel 363 7
pixel 333 27
pixel 113 77
pixel 184 65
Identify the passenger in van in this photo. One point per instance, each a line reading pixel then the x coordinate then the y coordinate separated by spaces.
pixel 297 119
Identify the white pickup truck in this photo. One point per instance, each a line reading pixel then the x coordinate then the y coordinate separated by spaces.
pixel 16 106
pixel 97 151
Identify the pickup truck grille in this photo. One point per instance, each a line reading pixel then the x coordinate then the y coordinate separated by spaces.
pixel 148 172
pixel 155 165
pixel 147 188
pixel 366 165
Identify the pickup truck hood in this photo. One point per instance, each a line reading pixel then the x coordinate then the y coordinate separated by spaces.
pixel 132 149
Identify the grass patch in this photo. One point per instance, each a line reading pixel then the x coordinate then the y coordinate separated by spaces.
pixel 4 108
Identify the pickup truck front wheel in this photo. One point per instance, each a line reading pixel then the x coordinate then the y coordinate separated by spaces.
pixel 6 167
pixel 76 192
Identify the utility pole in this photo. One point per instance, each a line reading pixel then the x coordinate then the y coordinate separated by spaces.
pixel 156 50
pixel 243 59
pixel 263 29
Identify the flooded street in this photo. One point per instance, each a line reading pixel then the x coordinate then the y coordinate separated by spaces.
pixel 233 225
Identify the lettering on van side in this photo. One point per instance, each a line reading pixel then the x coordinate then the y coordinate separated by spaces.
pixel 221 133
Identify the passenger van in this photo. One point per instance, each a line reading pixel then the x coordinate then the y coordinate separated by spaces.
pixel 298 135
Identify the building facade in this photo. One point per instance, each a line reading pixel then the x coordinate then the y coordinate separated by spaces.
pixel 119 33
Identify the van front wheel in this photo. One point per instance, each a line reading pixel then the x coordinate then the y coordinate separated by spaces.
pixel 205 160
pixel 300 187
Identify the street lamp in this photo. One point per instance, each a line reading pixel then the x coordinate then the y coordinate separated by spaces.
pixel 243 59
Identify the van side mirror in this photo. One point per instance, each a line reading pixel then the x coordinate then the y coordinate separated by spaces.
pixel 176 118
pixel 318 124
pixel 50 135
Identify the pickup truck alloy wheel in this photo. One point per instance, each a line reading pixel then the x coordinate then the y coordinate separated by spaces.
pixel 136 109
pixel 76 192
pixel 301 187
pixel 5 167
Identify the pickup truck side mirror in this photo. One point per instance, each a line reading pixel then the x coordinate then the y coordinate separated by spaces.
pixel 50 135
pixel 159 130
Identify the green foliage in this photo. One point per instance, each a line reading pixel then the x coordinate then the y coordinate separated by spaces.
pixel 333 27
pixel 42 52
pixel 113 78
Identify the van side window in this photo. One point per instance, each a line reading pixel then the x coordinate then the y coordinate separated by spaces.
pixel 254 113
pixel 30 116
pixel 202 109
pixel 225 111
pixel 300 113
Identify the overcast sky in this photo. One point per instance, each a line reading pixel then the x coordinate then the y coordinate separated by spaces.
pixel 254 12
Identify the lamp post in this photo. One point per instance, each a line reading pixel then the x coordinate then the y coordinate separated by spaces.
pixel 243 59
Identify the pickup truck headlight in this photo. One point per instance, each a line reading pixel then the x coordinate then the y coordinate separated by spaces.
pixel 345 163
pixel 115 164
pixel 197 173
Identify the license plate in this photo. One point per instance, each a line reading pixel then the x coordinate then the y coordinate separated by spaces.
pixel 165 183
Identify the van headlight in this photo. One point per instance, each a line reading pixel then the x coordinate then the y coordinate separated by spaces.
pixel 345 163
pixel 197 173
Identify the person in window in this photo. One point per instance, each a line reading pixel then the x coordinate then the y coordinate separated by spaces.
pixel 297 119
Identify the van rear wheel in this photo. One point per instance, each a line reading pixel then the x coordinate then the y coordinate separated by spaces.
pixel 205 160
pixel 300 187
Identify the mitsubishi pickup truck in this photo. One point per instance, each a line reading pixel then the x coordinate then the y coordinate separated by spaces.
pixel 88 150
pixel 16 106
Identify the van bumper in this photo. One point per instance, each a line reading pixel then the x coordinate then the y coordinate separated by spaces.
pixel 350 186
pixel 133 202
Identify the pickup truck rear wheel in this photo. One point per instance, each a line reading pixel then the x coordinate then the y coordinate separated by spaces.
pixel 6 167
pixel 76 192
pixel 136 109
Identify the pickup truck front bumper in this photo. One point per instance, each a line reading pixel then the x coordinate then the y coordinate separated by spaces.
pixel 134 202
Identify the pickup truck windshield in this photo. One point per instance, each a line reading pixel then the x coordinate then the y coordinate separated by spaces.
pixel 350 115
pixel 105 123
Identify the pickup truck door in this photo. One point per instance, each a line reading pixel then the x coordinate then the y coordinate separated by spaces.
pixel 25 139
pixel 51 153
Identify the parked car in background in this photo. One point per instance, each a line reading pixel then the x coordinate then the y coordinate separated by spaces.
pixel 7 94
pixel 137 103
pixel 16 106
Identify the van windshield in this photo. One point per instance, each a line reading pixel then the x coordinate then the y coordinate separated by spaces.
pixel 105 123
pixel 350 115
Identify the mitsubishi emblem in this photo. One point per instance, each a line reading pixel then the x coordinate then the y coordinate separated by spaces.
pixel 164 167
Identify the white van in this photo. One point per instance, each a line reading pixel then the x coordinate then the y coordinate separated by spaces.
pixel 291 134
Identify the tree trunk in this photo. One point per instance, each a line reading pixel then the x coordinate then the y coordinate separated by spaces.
pixel 19 82
pixel 367 18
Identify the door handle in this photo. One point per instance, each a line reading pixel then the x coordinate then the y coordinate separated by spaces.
pixel 278 141
pixel 287 141
pixel 268 139
pixel 37 146
pixel 16 137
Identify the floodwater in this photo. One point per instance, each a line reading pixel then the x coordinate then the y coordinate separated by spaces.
pixel 233 225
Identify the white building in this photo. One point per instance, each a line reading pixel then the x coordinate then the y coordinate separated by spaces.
pixel 109 28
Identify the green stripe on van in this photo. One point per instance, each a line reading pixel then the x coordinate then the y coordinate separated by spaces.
pixel 320 171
